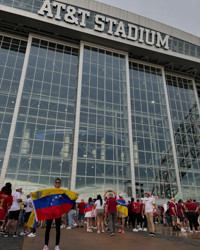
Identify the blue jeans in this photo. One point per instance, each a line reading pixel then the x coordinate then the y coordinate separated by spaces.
pixel 70 216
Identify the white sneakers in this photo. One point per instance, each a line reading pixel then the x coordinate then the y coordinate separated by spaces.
pixel 31 235
pixel 145 229
pixel 75 225
pixel 139 229
pixel 135 230
pixel 45 247
pixel 57 248
pixel 183 230
pixel 22 233
pixel 68 228
pixel 89 230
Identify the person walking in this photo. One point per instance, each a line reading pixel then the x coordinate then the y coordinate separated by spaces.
pixel 57 184
pixel 88 214
pixel 111 209
pixel 148 210
pixel 121 215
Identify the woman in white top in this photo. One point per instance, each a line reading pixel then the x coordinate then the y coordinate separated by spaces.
pixel 99 205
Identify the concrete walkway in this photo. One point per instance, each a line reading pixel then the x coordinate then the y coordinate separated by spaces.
pixel 78 238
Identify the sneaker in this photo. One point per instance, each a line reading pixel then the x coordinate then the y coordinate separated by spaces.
pixel 15 234
pixel 69 228
pixel 103 231
pixel 135 230
pixel 122 231
pixel 31 235
pixel 110 234
pixel 139 229
pixel 6 235
pixel 183 230
pixel 152 234
pixel 119 231
pixel 75 225
pixel 22 233
pixel 2 231
pixel 45 247
pixel 57 248
pixel 145 229
pixel 94 227
pixel 98 232
pixel 62 226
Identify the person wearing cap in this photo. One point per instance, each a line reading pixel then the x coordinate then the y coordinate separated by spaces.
pixel 28 205
pixel 149 202
pixel 173 213
pixel 191 210
pixel 180 214
pixel 14 211
pixel 111 210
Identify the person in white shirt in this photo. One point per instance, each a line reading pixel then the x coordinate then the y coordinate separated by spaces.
pixel 14 212
pixel 149 202
pixel 99 206
pixel 28 205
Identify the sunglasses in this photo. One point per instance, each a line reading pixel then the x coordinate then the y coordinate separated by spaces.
pixel 57 182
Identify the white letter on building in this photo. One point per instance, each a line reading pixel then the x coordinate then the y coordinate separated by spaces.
pixel 111 22
pixel 46 7
pixel 120 30
pixel 162 42
pixel 60 7
pixel 147 40
pixel 141 40
pixel 69 17
pixel 130 36
pixel 100 25
pixel 84 15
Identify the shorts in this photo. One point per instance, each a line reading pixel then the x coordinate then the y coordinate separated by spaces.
pixel 120 215
pixel 14 215
pixel 88 214
pixel 100 212
pixel 26 216
pixel 81 217
pixel 174 218
pixel 181 218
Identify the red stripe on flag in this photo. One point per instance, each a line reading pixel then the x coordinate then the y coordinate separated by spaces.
pixel 52 212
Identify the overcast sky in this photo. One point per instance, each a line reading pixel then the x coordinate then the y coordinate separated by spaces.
pixel 181 14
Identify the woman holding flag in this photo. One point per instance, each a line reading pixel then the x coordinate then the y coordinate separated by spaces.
pixel 88 214
pixel 51 204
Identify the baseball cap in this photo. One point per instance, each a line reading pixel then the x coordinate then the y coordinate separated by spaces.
pixel 19 187
pixel 188 200
pixel 120 195
pixel 147 192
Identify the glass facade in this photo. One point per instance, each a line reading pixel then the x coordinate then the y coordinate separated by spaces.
pixel 186 130
pixel 151 134
pixel 12 52
pixel 164 112
pixel 42 143
pixel 103 155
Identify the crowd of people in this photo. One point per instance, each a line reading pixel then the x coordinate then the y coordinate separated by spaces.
pixel 99 215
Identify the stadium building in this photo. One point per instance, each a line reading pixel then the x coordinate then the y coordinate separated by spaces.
pixel 100 97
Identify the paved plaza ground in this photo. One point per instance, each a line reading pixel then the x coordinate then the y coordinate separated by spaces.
pixel 78 238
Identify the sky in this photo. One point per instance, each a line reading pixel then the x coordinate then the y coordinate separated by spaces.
pixel 181 14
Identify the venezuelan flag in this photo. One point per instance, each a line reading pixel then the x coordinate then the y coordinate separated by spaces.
pixel 88 207
pixel 52 203
pixel 122 207
pixel 32 221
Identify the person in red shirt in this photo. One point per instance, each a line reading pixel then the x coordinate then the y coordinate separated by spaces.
pixel 111 210
pixel 81 207
pixel 191 210
pixel 6 201
pixel 135 208
pixel 180 214
pixel 173 213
